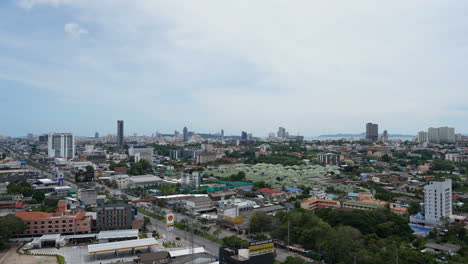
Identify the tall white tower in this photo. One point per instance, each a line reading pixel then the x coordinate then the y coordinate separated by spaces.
pixel 61 145
pixel 437 201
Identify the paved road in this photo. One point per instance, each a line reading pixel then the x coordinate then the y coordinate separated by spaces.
pixel 185 237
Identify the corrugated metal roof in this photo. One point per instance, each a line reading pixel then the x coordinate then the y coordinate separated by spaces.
pixel 184 252
pixel 127 244
pixel 118 234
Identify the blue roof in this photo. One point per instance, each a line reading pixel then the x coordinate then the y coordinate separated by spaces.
pixel 420 216
pixel 331 196
pixel 289 205
pixel 353 194
pixel 292 189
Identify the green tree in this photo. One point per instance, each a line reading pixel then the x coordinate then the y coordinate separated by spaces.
pixel 414 208
pixel 235 242
pixel 38 196
pixel 294 260
pixel 89 169
pixel 10 226
pixel 342 244
pixel 260 222
pixel 442 165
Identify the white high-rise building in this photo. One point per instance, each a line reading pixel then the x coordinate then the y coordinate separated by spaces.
pixel 437 201
pixel 61 145
pixel 441 134
pixel 423 137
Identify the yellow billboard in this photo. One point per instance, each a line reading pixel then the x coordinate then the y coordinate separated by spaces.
pixel 261 247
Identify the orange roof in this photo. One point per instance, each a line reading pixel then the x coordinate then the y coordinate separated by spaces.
pixel 80 215
pixel 314 200
pixel 33 215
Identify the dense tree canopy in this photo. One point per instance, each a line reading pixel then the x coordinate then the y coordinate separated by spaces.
pixel 11 225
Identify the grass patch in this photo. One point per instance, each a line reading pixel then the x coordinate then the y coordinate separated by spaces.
pixel 463 189
pixel 151 214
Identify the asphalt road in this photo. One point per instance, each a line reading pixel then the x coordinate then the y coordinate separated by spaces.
pixel 185 237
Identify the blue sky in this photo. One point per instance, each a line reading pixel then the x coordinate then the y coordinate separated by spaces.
pixel 314 67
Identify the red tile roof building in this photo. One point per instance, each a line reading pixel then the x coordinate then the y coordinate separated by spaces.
pixel 268 191
pixel 61 221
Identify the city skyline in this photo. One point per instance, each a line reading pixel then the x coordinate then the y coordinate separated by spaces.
pixel 79 65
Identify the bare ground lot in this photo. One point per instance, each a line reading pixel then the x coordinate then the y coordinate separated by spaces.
pixel 10 257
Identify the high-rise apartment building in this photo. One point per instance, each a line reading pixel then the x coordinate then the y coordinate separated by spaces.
pixel 244 135
pixel 372 131
pixel 441 135
pixel 185 134
pixel 61 145
pixel 423 137
pixel 282 132
pixel 437 201
pixel 120 134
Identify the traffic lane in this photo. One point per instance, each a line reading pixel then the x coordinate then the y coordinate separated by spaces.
pixel 210 246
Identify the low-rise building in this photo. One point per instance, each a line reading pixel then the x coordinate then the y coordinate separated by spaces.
pixel 87 196
pixel 328 158
pixel 62 221
pixel 205 157
pixel 143 180
pixel 120 181
pixel 314 203
pixel 199 204
pixel 114 216
pixel 62 191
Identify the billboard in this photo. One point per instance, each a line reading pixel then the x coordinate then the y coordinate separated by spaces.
pixel 261 247
pixel 169 219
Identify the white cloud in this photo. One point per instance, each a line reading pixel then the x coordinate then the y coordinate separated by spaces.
pixel 74 30
pixel 28 4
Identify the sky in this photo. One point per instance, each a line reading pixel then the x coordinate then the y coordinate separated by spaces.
pixel 313 67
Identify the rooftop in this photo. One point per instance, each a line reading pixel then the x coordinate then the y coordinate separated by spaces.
pixel 127 244
pixel 33 215
pixel 118 234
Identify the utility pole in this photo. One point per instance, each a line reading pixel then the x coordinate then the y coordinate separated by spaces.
pixel 288 232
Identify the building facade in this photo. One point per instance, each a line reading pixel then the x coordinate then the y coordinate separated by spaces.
pixel 441 134
pixel 328 158
pixel 372 131
pixel 61 145
pixel 437 201
pixel 61 221
pixel 114 216
pixel 120 134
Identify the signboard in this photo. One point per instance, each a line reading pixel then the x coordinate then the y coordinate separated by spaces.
pixel 169 219
pixel 261 247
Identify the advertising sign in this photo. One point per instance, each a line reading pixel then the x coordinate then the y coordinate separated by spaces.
pixel 261 247
pixel 169 219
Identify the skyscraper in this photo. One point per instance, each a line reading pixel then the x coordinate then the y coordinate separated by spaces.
pixel 120 134
pixel 437 201
pixel 441 134
pixel 244 135
pixel 282 132
pixel 372 131
pixel 61 145
pixel 423 137
pixel 222 134
pixel 185 134
pixel 96 135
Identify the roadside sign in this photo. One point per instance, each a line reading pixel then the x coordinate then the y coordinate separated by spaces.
pixel 261 247
pixel 169 219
